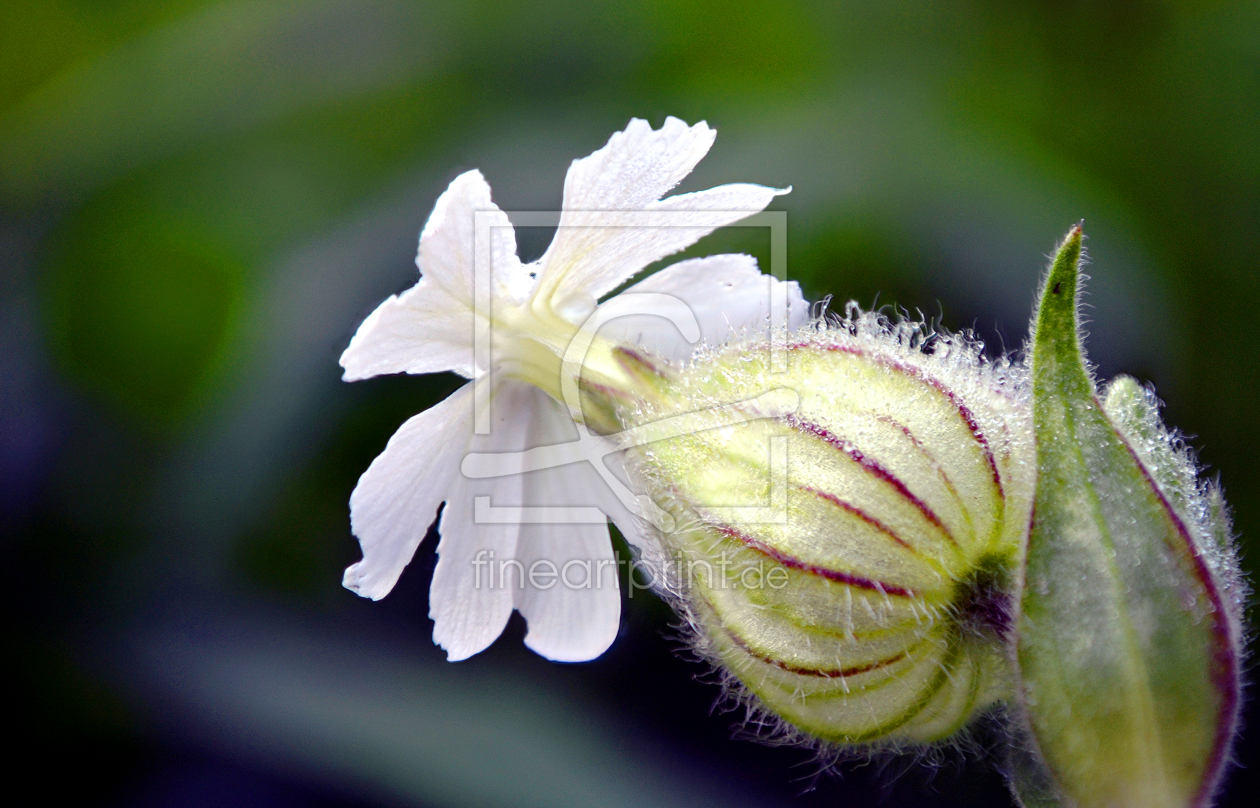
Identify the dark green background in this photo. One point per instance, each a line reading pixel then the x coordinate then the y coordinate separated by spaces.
pixel 200 201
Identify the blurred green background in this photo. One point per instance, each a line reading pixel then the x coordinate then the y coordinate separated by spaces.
pixel 199 201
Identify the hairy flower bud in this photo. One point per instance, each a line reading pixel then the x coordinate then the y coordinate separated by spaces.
pixel 1129 634
pixel 850 506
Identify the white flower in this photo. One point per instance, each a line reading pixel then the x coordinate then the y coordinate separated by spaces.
pixel 614 223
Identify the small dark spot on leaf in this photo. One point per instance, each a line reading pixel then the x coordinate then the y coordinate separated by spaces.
pixel 1055 290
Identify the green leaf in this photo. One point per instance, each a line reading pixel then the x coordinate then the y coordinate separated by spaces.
pixel 1126 646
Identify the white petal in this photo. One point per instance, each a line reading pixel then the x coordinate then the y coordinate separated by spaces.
pixel 423 330
pixel 614 223
pixel 569 622
pixel 573 616
pixel 638 165
pixel 474 584
pixel 450 251
pixel 429 328
pixel 398 496
pixel 728 295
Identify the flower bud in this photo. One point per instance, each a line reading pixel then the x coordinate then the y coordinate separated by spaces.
pixel 1128 639
pixel 850 506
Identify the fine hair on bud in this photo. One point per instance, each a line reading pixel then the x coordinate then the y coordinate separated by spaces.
pixel 1173 467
